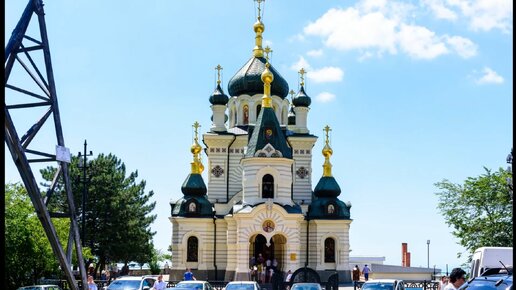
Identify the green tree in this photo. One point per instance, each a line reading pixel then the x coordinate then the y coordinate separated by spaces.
pixel 28 254
pixel 118 211
pixel 479 211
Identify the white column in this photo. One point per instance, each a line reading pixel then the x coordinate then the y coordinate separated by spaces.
pixel 301 119
pixel 218 118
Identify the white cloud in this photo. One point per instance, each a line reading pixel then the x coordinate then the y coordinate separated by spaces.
pixel 490 77
pixel 325 97
pixel 487 14
pixel 348 29
pixel 440 10
pixel 315 53
pixel 463 46
pixel 375 27
pixel 301 63
pixel 326 74
pixel 419 42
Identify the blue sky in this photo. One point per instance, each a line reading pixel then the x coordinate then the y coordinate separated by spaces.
pixel 415 92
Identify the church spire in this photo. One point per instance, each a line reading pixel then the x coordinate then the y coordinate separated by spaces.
pixel 196 164
pixel 267 78
pixel 327 152
pixel 258 29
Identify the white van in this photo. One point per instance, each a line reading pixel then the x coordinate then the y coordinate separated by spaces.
pixel 489 257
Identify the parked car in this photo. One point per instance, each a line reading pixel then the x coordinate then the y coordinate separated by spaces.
pixel 383 284
pixel 40 287
pixel 195 285
pixel 497 280
pixel 243 285
pixel 306 286
pixel 132 283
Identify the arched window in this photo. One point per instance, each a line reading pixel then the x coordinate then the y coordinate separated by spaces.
pixel 267 186
pixel 258 109
pixel 246 114
pixel 329 250
pixel 192 248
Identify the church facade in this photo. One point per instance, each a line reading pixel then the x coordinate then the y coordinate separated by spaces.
pixel 257 202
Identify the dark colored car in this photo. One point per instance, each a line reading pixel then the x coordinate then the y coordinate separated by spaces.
pixel 499 279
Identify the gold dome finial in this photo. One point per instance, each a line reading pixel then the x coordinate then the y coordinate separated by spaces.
pixel 258 29
pixel 267 78
pixel 327 152
pixel 302 73
pixel 196 149
pixel 218 68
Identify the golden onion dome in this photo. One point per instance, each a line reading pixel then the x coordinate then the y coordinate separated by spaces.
pixel 327 151
pixel 196 148
pixel 258 27
pixel 267 76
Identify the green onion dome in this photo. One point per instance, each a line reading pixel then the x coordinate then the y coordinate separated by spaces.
pixel 218 97
pixel 248 80
pixel 301 99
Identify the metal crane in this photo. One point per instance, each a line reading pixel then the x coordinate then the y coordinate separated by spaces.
pixel 22 52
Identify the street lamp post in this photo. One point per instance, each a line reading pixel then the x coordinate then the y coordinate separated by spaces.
pixel 84 165
pixel 428 253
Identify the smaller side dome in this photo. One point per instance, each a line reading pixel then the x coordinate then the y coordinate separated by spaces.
pixel 218 97
pixel 301 99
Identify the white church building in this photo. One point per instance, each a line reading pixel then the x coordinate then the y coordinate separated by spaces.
pixel 258 198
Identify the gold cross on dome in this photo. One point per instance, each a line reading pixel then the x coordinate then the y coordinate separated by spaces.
pixel 291 94
pixel 259 9
pixel 302 72
pixel 218 68
pixel 327 130
pixel 196 126
pixel 267 51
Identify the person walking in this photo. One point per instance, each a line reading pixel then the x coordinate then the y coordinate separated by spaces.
pixel 457 278
pixel 443 282
pixel 159 284
pixel 366 272
pixel 356 275
pixel 188 276
pixel 91 283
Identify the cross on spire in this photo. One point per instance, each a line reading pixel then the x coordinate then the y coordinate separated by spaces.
pixel 196 126
pixel 218 68
pixel 267 51
pixel 292 94
pixel 302 73
pixel 327 130
pixel 259 9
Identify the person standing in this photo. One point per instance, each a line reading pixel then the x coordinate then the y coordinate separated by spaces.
pixel 366 272
pixel 457 278
pixel 287 279
pixel 91 283
pixel 356 275
pixel 443 282
pixel 159 284
pixel 188 275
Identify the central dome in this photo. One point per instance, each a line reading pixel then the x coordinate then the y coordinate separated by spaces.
pixel 248 80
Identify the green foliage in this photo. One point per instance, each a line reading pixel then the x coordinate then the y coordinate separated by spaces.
pixel 118 211
pixel 28 254
pixel 479 211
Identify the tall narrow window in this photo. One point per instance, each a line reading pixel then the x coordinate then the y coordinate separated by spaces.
pixel 246 114
pixel 329 250
pixel 192 248
pixel 267 186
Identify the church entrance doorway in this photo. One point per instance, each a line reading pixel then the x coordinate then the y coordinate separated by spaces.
pixel 261 251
